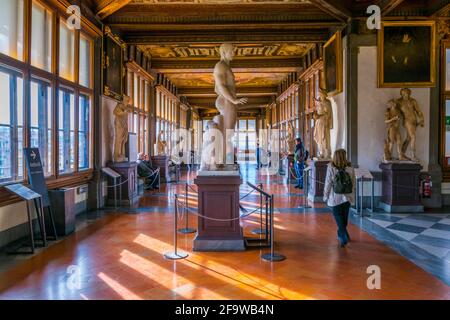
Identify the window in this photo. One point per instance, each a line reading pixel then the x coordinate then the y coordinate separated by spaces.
pixel 41 123
pixel 66 131
pixel 85 61
pixel 66 52
pixel 11 28
pixel 11 126
pixel 84 132
pixel 41 40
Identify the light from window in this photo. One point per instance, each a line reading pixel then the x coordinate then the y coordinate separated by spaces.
pixel 11 126
pixel 11 28
pixel 41 123
pixel 66 52
pixel 84 133
pixel 42 35
pixel 85 61
pixel 66 131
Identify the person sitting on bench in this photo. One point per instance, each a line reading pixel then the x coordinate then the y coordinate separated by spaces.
pixel 147 171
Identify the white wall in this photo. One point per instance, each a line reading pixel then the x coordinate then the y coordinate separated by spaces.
pixel 371 107
pixel 339 105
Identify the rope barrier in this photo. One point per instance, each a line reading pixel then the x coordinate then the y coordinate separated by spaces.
pixel 119 184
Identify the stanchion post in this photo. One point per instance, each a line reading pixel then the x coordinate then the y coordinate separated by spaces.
pixel 175 255
pixel 272 256
pixel 260 229
pixel 186 229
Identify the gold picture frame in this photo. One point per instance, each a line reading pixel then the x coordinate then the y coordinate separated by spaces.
pixel 333 64
pixel 407 54
pixel 112 73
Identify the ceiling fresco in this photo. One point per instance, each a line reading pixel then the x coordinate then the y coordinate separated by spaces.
pixel 211 51
pixel 183 80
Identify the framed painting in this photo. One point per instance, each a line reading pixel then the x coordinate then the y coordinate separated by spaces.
pixel 406 54
pixel 332 64
pixel 113 54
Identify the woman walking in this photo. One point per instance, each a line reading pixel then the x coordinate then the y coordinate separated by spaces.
pixel 338 192
pixel 299 162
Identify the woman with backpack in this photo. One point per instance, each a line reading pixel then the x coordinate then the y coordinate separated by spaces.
pixel 299 162
pixel 338 192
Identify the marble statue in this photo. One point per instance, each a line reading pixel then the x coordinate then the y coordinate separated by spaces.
pixel 323 117
pixel 227 101
pixel 412 118
pixel 161 144
pixel 208 159
pixel 121 129
pixel 393 117
pixel 290 139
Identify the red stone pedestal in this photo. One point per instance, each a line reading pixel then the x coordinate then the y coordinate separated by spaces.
pixel 162 162
pixel 316 180
pixel 128 171
pixel 218 198
pixel 400 187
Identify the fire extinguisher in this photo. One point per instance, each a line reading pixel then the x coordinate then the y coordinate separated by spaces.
pixel 425 186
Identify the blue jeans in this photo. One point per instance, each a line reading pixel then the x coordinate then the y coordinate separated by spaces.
pixel 299 172
pixel 340 213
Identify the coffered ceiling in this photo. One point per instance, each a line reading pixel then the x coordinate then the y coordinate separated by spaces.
pixel 271 36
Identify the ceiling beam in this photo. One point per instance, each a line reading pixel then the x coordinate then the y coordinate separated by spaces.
pixel 440 11
pixel 107 7
pixel 197 92
pixel 390 6
pixel 338 11
pixel 188 37
pixel 210 103
pixel 255 65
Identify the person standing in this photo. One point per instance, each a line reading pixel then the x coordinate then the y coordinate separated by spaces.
pixel 299 162
pixel 338 192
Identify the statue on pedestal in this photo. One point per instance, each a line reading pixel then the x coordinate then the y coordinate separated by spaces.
pixel 227 101
pixel 323 124
pixel 412 118
pixel 290 139
pixel 121 129
pixel 393 117
pixel 161 144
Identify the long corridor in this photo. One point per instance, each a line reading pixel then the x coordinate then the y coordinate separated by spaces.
pixel 120 256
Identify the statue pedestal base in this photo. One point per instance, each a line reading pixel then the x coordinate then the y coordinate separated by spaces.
pixel 128 171
pixel 400 187
pixel 316 180
pixel 162 162
pixel 218 198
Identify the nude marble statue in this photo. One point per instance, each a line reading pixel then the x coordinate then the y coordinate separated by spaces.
pixel 161 144
pixel 121 129
pixel 290 139
pixel 227 102
pixel 323 124
pixel 393 118
pixel 412 118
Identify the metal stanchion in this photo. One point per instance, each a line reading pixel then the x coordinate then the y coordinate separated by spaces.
pixel 175 255
pixel 272 256
pixel 305 191
pixel 260 230
pixel 186 229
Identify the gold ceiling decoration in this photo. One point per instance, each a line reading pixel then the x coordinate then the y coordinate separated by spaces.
pixel 242 50
pixel 190 80
pixel 216 1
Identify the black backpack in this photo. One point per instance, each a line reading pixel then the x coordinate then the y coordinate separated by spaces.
pixel 342 182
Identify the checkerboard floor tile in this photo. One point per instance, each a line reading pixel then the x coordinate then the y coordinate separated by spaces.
pixel 430 232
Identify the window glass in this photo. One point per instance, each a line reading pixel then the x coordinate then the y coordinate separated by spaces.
pixel 11 28
pixel 41 40
pixel 85 61
pixel 84 132
pixel 66 52
pixel 41 122
pixel 11 126
pixel 66 131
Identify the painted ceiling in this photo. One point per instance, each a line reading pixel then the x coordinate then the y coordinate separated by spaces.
pixel 204 80
pixel 216 1
pixel 211 51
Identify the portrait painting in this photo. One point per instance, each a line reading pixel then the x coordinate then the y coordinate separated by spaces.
pixel 112 67
pixel 406 54
pixel 332 59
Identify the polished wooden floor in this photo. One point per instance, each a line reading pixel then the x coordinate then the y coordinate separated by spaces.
pixel 121 257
